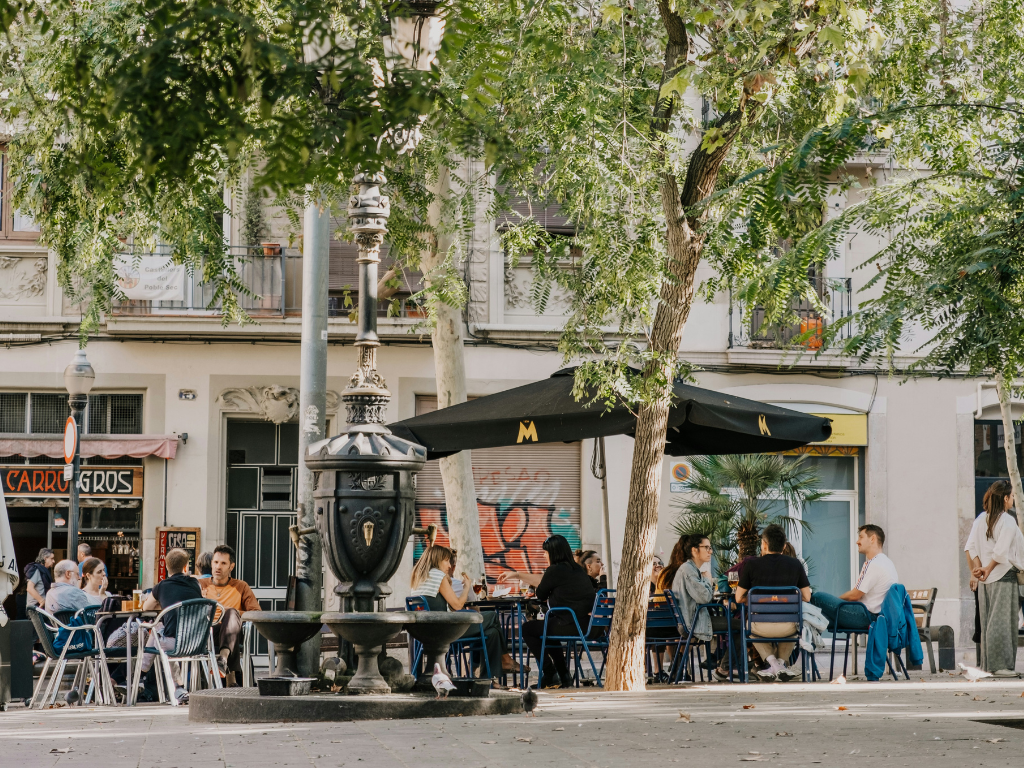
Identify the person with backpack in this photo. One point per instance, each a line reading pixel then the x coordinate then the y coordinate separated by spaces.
pixel 38 579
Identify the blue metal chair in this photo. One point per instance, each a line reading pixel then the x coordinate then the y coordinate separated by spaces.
pixel 663 613
pixel 715 610
pixel 603 606
pixel 456 650
pixel 850 609
pixel 773 605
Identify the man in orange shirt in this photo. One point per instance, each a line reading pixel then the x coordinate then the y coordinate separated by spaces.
pixel 235 597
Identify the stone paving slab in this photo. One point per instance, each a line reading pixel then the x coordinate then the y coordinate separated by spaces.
pixel 949 723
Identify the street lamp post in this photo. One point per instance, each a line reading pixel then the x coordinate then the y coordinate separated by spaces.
pixel 78 379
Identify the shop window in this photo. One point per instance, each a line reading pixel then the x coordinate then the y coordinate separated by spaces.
pixel 13 408
pixel 48 413
pixel 115 414
pixel 45 413
pixel 14 225
pixel 989 454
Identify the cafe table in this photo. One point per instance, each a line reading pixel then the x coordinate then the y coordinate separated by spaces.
pixel 128 616
pixel 513 612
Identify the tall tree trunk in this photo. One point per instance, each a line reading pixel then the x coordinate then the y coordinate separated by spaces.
pixel 684 243
pixel 1010 445
pixel 450 372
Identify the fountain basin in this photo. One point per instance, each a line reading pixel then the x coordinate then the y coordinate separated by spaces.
pixel 287 630
pixel 436 630
pixel 368 632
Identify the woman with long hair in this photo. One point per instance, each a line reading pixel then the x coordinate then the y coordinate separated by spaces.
pixel 431 580
pixel 94 580
pixel 995 552
pixel 564 584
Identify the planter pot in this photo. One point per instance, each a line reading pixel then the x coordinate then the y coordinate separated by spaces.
pixel 271 249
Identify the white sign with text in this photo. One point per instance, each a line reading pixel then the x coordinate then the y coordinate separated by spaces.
pixel 151 278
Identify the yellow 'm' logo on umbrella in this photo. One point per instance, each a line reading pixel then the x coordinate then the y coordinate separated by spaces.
pixel 763 425
pixel 527 431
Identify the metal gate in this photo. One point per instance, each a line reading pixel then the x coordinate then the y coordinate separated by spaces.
pixel 261 459
pixel 524 495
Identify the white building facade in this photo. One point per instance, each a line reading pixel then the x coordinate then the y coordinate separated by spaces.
pixel 910 457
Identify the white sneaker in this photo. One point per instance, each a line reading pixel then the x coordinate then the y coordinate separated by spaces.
pixel 1005 673
pixel 788 673
pixel 768 674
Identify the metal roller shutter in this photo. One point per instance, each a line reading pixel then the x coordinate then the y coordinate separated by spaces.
pixel 524 494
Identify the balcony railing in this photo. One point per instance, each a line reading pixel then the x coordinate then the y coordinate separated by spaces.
pixel 751 330
pixel 406 308
pixel 267 278
pixel 275 284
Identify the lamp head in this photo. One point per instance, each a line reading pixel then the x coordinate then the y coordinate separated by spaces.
pixel 416 33
pixel 79 375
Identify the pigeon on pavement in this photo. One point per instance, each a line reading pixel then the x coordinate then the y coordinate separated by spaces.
pixel 973 674
pixel 530 701
pixel 441 682
pixel 72 697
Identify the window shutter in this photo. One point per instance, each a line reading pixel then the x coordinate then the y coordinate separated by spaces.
pixel 524 495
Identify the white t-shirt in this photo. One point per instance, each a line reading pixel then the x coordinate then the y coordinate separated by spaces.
pixel 877 575
pixel 430 586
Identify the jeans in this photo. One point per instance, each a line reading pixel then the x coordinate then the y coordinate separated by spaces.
pixel 855 615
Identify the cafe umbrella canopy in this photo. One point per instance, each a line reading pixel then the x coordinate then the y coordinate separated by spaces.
pixel 700 422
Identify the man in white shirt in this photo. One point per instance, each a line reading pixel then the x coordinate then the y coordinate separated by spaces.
pixel 876 577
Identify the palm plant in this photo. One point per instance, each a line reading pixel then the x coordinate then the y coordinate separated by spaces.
pixel 734 497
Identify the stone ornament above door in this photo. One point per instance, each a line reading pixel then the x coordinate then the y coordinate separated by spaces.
pixel 274 403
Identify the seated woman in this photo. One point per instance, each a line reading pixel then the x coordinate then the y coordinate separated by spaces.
pixel 94 580
pixel 564 584
pixel 431 580
pixel 594 566
pixel 689 584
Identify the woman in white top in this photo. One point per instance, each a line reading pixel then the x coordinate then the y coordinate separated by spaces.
pixel 995 551
pixel 431 580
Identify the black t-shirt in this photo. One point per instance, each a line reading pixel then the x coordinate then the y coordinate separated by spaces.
pixel 173 590
pixel 567 585
pixel 773 571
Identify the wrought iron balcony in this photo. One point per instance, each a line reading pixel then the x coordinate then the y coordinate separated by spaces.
pixel 750 329
pixel 267 276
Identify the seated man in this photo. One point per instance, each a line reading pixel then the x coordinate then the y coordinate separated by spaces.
pixel 773 569
pixel 176 588
pixel 65 594
pixel 877 575
pixel 236 597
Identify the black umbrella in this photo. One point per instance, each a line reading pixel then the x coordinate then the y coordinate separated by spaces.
pixel 700 422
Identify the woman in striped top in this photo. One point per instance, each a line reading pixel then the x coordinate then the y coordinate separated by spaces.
pixel 431 580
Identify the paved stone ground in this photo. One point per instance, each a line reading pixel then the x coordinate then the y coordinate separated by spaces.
pixel 935 723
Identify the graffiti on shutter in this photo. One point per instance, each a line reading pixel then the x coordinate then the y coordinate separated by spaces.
pixel 524 495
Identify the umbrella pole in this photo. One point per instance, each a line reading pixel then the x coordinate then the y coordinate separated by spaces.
pixel 600 471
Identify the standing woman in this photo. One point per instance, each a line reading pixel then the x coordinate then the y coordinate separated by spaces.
pixel 995 551
pixel 564 584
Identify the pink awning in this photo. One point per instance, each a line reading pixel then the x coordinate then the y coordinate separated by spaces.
pixel 104 446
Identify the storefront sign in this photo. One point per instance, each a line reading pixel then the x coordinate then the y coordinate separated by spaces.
pixel 847 429
pixel 35 481
pixel 151 278
pixel 176 538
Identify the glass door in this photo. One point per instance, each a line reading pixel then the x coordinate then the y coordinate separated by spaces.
pixel 827 545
